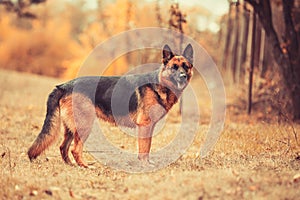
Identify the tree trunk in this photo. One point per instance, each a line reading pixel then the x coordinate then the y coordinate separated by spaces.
pixel 235 51
pixel 257 44
pixel 287 57
pixel 268 59
pixel 252 63
pixel 246 20
pixel 228 38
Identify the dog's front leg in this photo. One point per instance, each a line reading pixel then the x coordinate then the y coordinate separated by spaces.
pixel 144 141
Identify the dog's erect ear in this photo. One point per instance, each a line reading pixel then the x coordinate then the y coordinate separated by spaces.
pixel 167 54
pixel 188 53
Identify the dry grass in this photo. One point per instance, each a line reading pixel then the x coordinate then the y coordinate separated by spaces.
pixel 250 161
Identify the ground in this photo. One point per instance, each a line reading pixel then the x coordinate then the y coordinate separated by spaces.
pixel 253 159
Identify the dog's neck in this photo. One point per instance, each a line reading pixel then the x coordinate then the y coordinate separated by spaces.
pixel 167 97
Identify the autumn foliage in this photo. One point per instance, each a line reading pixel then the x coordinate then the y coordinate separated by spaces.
pixel 62 34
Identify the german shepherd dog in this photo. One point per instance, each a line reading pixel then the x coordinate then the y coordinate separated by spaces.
pixel 77 104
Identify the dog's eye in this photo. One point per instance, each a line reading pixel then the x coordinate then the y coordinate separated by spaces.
pixel 175 67
pixel 185 66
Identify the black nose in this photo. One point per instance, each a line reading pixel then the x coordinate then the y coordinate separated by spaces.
pixel 183 76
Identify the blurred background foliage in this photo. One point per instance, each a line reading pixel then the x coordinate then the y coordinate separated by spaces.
pixel 54 37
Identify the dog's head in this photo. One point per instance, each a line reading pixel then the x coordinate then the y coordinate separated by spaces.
pixel 176 71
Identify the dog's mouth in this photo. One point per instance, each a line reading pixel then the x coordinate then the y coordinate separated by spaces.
pixel 179 83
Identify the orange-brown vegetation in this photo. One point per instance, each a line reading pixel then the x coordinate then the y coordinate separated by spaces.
pixel 62 36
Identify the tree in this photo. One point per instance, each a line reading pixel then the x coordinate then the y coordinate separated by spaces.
pixel 286 54
pixel 228 35
pixel 176 21
pixel 20 7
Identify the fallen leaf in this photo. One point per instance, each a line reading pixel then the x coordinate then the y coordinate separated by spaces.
pixel 71 193
pixel 253 188
pixel 49 192
pixel 296 178
pixel 33 193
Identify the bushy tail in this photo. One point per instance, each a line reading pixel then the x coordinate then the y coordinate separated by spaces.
pixel 51 125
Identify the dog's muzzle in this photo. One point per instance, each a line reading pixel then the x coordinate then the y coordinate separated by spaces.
pixel 181 80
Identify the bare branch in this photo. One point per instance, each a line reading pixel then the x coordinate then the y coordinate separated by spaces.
pixel 8 5
pixel 28 15
pixel 37 1
pixel 19 7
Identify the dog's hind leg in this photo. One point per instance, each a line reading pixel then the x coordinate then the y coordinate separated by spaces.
pixel 78 116
pixel 77 150
pixel 64 147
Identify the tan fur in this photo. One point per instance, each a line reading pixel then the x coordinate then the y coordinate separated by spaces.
pixel 77 114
